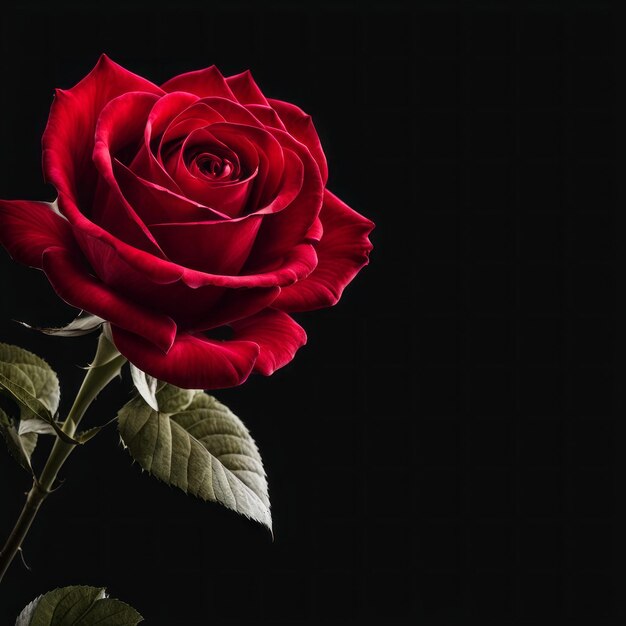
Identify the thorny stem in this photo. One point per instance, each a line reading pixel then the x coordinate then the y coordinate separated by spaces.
pixel 105 367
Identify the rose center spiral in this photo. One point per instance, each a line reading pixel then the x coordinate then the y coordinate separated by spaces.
pixel 214 166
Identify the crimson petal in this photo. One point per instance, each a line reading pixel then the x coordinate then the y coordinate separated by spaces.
pixel 284 229
pixel 300 125
pixel 28 229
pixel 342 252
pixel 234 304
pixel 228 197
pixel 122 120
pixel 113 258
pixel 70 277
pixel 156 204
pixel 145 163
pixel 266 115
pixel 217 248
pixel 278 336
pixel 193 361
pixel 206 82
pixel 68 138
pixel 245 89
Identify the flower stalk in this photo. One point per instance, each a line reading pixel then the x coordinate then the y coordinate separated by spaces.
pixel 104 368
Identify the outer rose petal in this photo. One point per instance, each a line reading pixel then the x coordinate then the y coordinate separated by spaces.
pixel 277 335
pixel 71 279
pixel 68 138
pixel 206 82
pixel 266 115
pixel 235 304
pixel 28 229
pixel 121 265
pixel 300 125
pixel 342 252
pixel 245 89
pixel 193 361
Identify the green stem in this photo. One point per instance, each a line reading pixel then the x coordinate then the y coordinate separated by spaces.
pixel 105 367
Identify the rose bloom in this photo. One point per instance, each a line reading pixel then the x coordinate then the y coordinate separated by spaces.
pixel 185 208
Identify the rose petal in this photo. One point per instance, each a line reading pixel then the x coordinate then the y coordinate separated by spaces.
pixel 295 265
pixel 278 336
pixel 291 185
pixel 266 116
pixel 156 204
pixel 182 127
pixel 233 112
pixel 138 269
pixel 270 154
pixel 145 163
pixel 193 361
pixel 227 197
pixel 300 125
pixel 173 118
pixel 28 229
pixel 194 299
pixel 68 138
pixel 342 252
pixel 70 277
pixel 206 82
pixel 316 231
pixel 68 145
pixel 235 304
pixel 245 89
pixel 285 229
pixel 121 123
pixel 217 248
pixel 198 115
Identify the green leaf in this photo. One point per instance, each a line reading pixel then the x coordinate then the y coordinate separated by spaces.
pixel 36 426
pixel 29 443
pixel 146 385
pixel 26 616
pixel 29 404
pixel 30 382
pixel 173 399
pixel 85 435
pixel 44 384
pixel 20 447
pixel 200 447
pixel 78 606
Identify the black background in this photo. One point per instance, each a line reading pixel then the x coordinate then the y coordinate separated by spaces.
pixel 449 447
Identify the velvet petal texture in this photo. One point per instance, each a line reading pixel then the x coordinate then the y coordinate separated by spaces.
pixel 69 136
pixel 245 89
pixel 121 122
pixel 28 229
pixel 206 82
pixel 194 361
pixel 278 336
pixel 72 281
pixel 261 343
pixel 300 125
pixel 342 252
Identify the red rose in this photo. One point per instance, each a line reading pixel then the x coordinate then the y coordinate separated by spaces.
pixel 185 208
